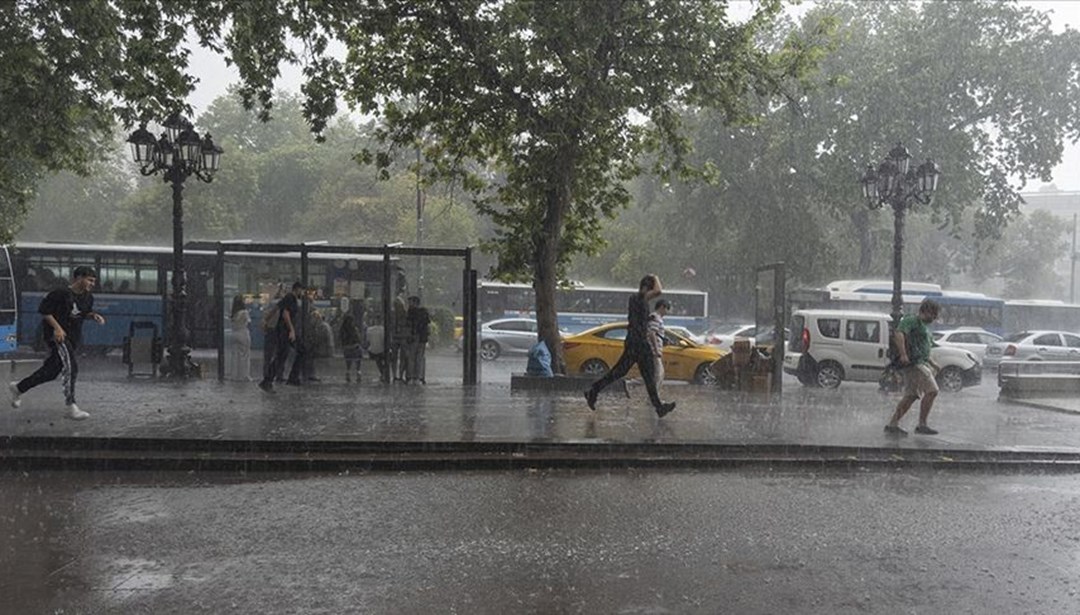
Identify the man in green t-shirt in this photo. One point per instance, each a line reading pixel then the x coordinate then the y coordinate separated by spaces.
pixel 913 343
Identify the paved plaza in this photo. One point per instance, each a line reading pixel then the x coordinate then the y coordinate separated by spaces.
pixel 332 415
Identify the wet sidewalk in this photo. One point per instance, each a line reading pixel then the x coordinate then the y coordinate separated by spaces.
pixel 231 423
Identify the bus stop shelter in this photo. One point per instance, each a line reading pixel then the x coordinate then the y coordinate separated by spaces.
pixel 304 251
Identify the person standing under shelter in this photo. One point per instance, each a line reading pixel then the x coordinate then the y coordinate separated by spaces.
pixel 63 311
pixel 376 339
pixel 281 336
pixel 352 346
pixel 636 348
pixel 419 327
pixel 399 333
pixel 913 342
pixel 239 364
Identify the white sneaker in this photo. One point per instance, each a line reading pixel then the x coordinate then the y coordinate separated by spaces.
pixel 76 414
pixel 14 388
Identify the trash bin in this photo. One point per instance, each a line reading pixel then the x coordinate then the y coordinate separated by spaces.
pixel 142 349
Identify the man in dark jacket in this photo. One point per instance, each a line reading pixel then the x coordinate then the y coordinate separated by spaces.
pixel 419 325
pixel 282 337
pixel 636 348
pixel 63 312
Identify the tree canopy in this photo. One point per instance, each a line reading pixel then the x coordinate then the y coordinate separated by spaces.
pixel 985 88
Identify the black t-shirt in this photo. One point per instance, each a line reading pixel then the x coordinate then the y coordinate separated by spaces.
pixel 289 303
pixel 638 315
pixel 69 309
pixel 418 321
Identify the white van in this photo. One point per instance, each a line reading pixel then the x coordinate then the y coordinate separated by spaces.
pixel 831 346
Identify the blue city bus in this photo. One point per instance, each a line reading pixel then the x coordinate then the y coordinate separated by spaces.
pixel 133 286
pixel 958 308
pixel 9 315
pixel 582 307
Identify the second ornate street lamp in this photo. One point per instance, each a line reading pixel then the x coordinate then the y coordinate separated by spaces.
pixel 177 155
pixel 895 184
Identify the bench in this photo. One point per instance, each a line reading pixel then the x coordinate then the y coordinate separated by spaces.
pixel 1034 378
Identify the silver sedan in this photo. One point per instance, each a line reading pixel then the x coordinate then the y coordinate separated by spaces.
pixel 1034 346
pixel 508 336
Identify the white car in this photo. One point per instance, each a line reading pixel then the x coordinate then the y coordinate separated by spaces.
pixel 973 340
pixel 832 346
pixel 683 331
pixel 724 337
pixel 1034 346
pixel 508 336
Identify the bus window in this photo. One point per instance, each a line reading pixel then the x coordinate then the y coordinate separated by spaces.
pixel 128 276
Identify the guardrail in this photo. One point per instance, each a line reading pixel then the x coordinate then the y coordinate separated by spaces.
pixel 1034 378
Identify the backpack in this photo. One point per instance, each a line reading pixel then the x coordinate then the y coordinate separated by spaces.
pixel 270 318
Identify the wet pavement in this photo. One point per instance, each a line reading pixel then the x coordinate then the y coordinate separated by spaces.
pixel 598 534
pixel 445 413
pixel 560 541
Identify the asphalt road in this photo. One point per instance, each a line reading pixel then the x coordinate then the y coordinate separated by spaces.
pixel 541 542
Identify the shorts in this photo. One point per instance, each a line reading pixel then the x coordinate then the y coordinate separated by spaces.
pixel 919 380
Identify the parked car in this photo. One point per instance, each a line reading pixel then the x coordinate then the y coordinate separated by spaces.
pixel 724 336
pixel 972 339
pixel 687 333
pixel 595 350
pixel 1034 346
pixel 833 346
pixel 508 336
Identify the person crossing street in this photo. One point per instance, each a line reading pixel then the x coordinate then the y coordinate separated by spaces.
pixel 636 349
pixel 63 312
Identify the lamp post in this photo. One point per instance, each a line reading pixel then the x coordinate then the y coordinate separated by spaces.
pixel 177 155
pixel 895 184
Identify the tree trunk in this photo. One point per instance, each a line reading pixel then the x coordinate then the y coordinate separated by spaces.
pixel 546 258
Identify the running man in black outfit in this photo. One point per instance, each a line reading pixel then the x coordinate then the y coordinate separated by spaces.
pixel 636 348
pixel 63 312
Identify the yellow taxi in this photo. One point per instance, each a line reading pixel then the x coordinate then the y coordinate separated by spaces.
pixel 594 351
pixel 459 327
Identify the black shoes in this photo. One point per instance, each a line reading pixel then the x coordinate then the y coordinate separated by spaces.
pixel 665 409
pixel 921 429
pixel 590 398
pixel 267 386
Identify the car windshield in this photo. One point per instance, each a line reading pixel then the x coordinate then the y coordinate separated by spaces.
pixel 1018 337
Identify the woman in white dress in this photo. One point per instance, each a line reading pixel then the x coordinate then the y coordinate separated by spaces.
pixel 239 365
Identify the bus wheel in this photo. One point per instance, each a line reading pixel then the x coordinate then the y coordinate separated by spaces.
pixel 594 367
pixel 489 350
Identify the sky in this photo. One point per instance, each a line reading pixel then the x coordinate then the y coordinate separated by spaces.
pixel 215 77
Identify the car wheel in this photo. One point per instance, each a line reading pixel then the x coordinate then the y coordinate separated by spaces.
pixel 594 367
pixel 950 379
pixel 489 350
pixel 704 375
pixel 829 375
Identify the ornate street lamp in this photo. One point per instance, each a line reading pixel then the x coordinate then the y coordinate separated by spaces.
pixel 895 184
pixel 177 155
